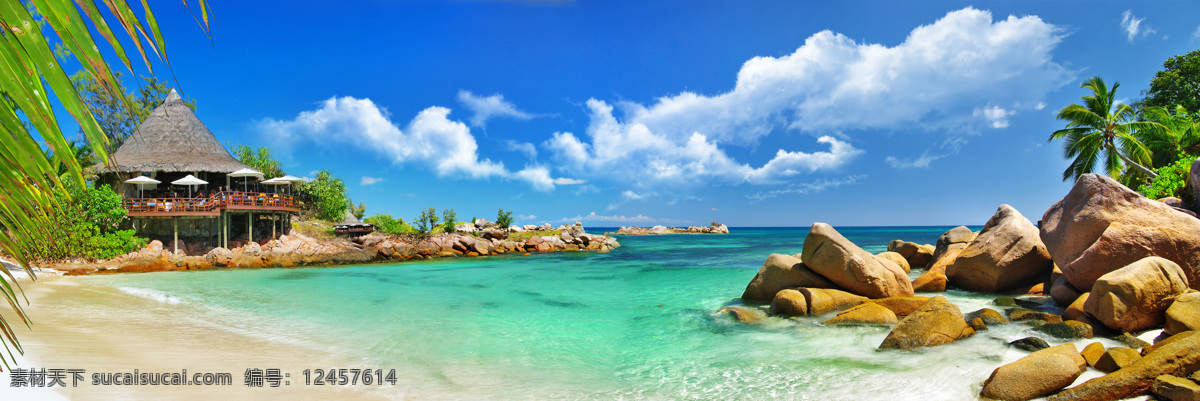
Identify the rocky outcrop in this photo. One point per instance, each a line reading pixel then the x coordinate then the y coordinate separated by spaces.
pixel 822 301
pixel 779 272
pixel 1101 226
pixel 868 313
pixel 1006 254
pixel 743 314
pixel 935 323
pixel 714 228
pixel 1178 356
pixel 1035 375
pixel 917 255
pixel 1068 329
pixel 1176 388
pixel 1116 358
pixel 901 306
pixel 931 281
pixel 789 303
pixel 833 256
pixel 895 258
pixel 1183 314
pixel 1136 297
pixel 948 246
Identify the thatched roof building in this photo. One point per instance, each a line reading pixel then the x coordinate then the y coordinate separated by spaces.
pixel 351 225
pixel 172 140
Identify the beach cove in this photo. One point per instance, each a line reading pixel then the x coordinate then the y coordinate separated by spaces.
pixel 634 323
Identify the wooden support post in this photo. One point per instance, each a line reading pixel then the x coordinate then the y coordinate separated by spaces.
pixel 273 218
pixel 250 227
pixel 175 225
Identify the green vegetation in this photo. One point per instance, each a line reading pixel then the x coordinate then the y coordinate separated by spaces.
pixel 260 159
pixel 1172 180
pixel 1102 129
pixel 327 197
pixel 87 226
pixel 504 218
pixel 35 193
pixel 1178 84
pixel 385 223
pixel 358 211
pixel 428 220
pixel 117 111
pixel 449 220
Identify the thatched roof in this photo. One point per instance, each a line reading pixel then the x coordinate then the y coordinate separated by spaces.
pixel 172 139
pixel 350 220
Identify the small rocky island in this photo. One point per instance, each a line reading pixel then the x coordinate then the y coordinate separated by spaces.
pixel 1105 262
pixel 714 228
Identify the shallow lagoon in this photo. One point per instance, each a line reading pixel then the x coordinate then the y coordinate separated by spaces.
pixel 635 324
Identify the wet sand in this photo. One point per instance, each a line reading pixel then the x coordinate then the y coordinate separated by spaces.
pixel 103 330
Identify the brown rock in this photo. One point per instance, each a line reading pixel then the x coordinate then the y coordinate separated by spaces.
pixel 935 323
pixel 901 306
pixel 1178 357
pixel 743 314
pixel 987 316
pixel 895 258
pixel 1021 315
pixel 931 281
pixel 779 272
pixel 1116 358
pixel 1183 314
pixel 1006 254
pixel 1075 310
pixel 1068 330
pixel 1063 292
pixel 822 301
pixel 789 303
pixel 866 313
pixel 1035 375
pixel 1092 353
pixel 1136 297
pixel 1102 226
pixel 949 245
pixel 1176 388
pixel 831 255
pixel 916 255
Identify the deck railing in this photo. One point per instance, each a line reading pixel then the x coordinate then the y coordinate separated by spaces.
pixel 210 203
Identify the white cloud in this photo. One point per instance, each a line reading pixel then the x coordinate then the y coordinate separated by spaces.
pixel 807 188
pixel 526 217
pixel 370 180
pixel 639 219
pixel 431 139
pixel 524 148
pixel 920 162
pixel 935 79
pixel 484 108
pixel 568 181
pixel 1196 35
pixel 1133 26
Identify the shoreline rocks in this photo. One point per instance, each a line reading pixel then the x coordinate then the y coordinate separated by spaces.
pixel 833 256
pixel 714 228
pixel 295 250
pixel 1007 254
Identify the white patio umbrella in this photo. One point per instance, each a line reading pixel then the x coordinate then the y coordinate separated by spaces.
pixel 189 181
pixel 141 180
pixel 246 173
pixel 291 179
pixel 276 181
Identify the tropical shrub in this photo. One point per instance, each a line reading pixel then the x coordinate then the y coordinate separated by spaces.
pixel 504 218
pixel 87 226
pixel 385 223
pixel 326 197
pixel 449 220
pixel 1172 180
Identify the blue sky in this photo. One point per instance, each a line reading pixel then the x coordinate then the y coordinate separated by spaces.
pixel 771 113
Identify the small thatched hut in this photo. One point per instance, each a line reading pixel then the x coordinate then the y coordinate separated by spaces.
pixel 351 226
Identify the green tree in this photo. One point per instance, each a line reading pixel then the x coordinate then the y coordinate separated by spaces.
pixel 427 221
pixel 117 111
pixel 259 159
pixel 1102 129
pixel 358 211
pixel 1179 134
pixel 327 195
pixel 1178 84
pixel 504 218
pixel 449 219
pixel 1172 180
pixel 88 226
pixel 388 224
pixel 29 179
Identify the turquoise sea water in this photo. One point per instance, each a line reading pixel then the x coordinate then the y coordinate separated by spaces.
pixel 636 323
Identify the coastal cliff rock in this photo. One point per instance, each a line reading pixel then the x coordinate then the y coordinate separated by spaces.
pixel 1136 297
pixel 714 228
pixel 1101 226
pixel 833 256
pixel 1178 355
pixel 935 323
pixel 779 272
pixel 1035 375
pixel 1005 255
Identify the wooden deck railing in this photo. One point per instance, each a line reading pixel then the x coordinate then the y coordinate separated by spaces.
pixel 209 204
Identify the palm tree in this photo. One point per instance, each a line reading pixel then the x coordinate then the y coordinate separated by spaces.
pixel 32 75
pixel 1103 129
pixel 1180 134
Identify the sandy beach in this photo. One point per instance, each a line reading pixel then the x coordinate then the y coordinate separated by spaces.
pixel 104 330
